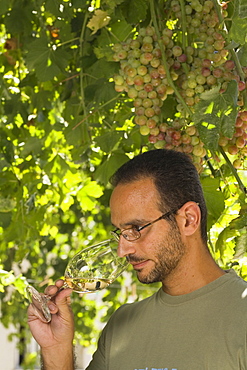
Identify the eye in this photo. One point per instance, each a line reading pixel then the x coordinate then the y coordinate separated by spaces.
pixel 137 228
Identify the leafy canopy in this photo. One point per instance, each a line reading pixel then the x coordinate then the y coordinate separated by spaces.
pixel 64 130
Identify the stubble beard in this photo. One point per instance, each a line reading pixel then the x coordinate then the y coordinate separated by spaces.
pixel 170 252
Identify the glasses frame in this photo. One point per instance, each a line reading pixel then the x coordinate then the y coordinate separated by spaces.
pixel 117 233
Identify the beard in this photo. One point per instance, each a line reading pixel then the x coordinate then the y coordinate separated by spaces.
pixel 168 252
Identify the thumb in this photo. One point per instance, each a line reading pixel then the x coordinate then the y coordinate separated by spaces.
pixel 62 302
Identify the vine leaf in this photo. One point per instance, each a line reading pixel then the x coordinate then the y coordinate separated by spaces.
pixel 216 114
pixel 121 29
pixel 238 30
pixel 241 245
pixel 239 222
pixel 108 140
pixel 242 8
pixel 45 61
pixel 99 20
pixel 7 204
pixel 214 199
pixel 109 166
pixel 4 6
pixel 242 55
pixel 225 235
pixel 136 10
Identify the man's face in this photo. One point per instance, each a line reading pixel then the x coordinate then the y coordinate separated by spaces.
pixel 160 248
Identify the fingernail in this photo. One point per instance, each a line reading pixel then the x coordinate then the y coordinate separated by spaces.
pixel 52 307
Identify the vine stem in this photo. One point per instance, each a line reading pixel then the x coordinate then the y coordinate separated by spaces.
pixel 184 39
pixel 232 51
pixel 169 78
pixel 240 71
pixel 217 8
pixel 184 32
pixel 68 42
pixel 233 170
pixel 81 40
pixel 96 110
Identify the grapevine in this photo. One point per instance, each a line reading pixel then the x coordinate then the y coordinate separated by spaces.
pixel 186 56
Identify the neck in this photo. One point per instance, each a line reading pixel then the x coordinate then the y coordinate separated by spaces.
pixel 194 271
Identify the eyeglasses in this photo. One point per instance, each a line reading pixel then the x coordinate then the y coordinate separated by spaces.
pixel 133 233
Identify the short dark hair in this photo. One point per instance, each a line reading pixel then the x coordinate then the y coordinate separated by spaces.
pixel 175 177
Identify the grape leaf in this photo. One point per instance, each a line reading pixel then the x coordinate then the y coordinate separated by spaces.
pixel 211 94
pixel 242 55
pixel 99 20
pixel 53 7
pixel 32 146
pixel 238 30
pixel 105 94
pixel 239 222
pixel 109 166
pixel 217 116
pixel 168 108
pixel 5 219
pixel 225 234
pixel 229 110
pixel 4 6
pixel 241 245
pixel 108 140
pixel 214 199
pixel 18 19
pixel 102 69
pixel 242 8
pixel 121 30
pixel 112 3
pixel 135 10
pixel 46 62
pixel 209 131
pixel 7 204
pixel 86 195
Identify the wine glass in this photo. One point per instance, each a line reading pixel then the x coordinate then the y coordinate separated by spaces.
pixel 93 268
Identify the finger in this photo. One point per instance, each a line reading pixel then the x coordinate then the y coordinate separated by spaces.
pixel 69 300
pixel 53 289
pixel 35 313
pixel 63 301
pixel 59 283
pixel 63 295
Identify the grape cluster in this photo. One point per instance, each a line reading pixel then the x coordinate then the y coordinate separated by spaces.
pixel 194 63
pixel 236 145
pixel 142 76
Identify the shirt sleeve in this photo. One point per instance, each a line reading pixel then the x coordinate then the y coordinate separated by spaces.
pixel 99 360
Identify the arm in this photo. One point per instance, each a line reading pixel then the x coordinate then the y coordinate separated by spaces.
pixel 56 337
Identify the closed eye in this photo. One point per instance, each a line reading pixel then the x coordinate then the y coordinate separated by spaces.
pixel 138 228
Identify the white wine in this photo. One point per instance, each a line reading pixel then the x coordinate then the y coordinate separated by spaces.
pixel 82 273
pixel 81 285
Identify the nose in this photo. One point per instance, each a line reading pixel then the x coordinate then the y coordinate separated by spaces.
pixel 125 247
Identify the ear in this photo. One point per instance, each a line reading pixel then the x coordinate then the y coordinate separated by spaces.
pixel 189 218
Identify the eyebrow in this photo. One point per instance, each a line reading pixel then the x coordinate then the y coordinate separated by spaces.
pixel 131 223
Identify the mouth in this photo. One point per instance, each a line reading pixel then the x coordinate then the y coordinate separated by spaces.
pixel 138 265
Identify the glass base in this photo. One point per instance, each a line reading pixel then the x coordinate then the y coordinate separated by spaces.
pixel 40 303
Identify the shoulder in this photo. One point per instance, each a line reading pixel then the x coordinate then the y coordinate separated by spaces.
pixel 234 291
pixel 235 280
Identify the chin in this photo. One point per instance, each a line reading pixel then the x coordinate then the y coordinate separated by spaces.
pixel 148 278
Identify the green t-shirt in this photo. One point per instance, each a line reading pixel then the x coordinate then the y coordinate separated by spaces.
pixel 202 330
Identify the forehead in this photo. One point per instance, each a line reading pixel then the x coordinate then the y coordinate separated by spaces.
pixel 137 198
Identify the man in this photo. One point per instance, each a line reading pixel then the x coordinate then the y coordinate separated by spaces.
pixel 198 319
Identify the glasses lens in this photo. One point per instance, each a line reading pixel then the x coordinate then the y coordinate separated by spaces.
pixel 131 234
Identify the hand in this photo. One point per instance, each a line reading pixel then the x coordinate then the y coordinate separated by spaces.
pixel 55 338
